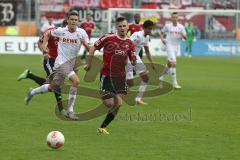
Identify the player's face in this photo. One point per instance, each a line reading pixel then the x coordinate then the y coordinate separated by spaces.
pixel 148 30
pixel 174 18
pixel 137 19
pixel 122 28
pixel 50 20
pixel 72 21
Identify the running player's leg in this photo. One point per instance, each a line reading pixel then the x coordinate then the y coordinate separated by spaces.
pixel 170 56
pixel 107 95
pixel 27 74
pixel 48 67
pixel 129 74
pixel 72 94
pixel 172 61
pixel 142 71
pixel 187 47
pixel 190 48
pixel 42 89
pixel 56 79
pixel 112 91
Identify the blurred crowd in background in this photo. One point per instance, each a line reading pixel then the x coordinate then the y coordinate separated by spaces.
pixel 31 16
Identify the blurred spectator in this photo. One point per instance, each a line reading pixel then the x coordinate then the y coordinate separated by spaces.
pixel 89 26
pixel 48 24
pixel 189 27
pixel 197 31
pixel 135 27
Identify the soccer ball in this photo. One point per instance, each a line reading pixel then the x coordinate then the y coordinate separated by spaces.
pixel 55 139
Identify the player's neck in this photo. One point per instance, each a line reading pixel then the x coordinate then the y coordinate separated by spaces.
pixel 145 34
pixel 72 29
pixel 122 36
pixel 174 23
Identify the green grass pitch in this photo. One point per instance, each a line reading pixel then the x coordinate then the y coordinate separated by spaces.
pixel 210 94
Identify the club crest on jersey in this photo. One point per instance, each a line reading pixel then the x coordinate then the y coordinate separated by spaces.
pixel 68 40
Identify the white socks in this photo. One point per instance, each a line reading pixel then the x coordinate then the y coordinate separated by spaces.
pixel 71 98
pixel 173 74
pixel 141 90
pixel 41 89
pixel 166 70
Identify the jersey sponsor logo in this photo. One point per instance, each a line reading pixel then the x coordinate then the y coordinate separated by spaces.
pixel 175 33
pixel 120 52
pixel 68 40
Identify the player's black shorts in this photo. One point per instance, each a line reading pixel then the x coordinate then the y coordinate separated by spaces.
pixel 48 65
pixel 110 86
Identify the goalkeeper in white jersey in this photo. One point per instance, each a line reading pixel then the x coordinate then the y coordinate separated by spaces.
pixel 175 32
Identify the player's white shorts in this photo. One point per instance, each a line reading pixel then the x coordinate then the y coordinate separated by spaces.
pixel 139 68
pixel 62 72
pixel 172 52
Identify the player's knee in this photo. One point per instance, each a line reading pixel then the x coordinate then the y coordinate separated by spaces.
pixel 130 82
pixel 108 104
pixel 76 82
pixel 53 88
pixel 171 64
pixel 119 103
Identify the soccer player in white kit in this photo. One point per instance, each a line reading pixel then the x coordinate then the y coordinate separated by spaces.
pixel 70 40
pixel 175 32
pixel 140 38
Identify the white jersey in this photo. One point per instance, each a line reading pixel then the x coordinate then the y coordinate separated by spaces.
pixel 140 40
pixel 69 44
pixel 174 33
pixel 46 26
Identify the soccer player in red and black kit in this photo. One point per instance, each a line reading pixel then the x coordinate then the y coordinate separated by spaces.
pixel 48 63
pixel 88 25
pixel 117 48
pixel 135 27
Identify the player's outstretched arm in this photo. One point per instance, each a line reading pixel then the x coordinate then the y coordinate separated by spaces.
pixel 43 45
pixel 46 37
pixel 162 37
pixel 88 65
pixel 184 36
pixel 148 54
pixel 85 44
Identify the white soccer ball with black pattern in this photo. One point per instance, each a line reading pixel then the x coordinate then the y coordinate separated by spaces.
pixel 55 139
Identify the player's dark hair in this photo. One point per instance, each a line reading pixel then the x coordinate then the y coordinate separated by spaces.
pixel 73 13
pixel 120 19
pixel 64 23
pixel 137 15
pixel 148 23
pixel 174 13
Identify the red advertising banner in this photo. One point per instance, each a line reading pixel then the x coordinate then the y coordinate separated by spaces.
pixel 85 3
pixel 116 3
